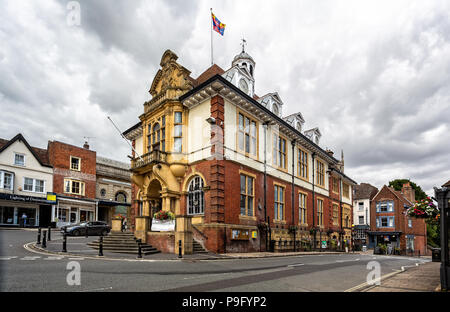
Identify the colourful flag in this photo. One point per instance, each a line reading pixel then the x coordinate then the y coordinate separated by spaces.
pixel 217 25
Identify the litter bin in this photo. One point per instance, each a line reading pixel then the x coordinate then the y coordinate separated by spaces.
pixel 272 246
pixel 436 255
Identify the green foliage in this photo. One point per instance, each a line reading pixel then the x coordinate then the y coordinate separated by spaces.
pixel 397 184
pixel 433 233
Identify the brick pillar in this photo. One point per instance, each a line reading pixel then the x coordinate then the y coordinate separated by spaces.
pixel 217 180
pixel 217 130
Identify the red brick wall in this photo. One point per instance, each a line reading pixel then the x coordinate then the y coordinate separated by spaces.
pixel 418 228
pixel 231 203
pixel 164 242
pixel 59 156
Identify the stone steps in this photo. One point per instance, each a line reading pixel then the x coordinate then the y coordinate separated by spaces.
pixel 123 243
pixel 197 247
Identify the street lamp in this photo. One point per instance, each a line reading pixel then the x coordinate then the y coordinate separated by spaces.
pixel 443 199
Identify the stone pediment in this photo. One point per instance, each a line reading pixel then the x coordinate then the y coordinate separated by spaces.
pixel 171 80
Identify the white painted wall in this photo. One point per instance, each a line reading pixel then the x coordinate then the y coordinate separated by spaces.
pixel 32 169
pixel 357 213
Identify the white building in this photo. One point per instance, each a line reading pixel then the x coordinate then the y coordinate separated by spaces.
pixel 362 198
pixel 26 177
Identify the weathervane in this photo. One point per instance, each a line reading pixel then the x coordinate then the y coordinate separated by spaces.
pixel 244 42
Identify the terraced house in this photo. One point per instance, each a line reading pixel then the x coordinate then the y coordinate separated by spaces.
pixel 238 175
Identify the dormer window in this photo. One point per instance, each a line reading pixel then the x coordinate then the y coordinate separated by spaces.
pixel 298 126
pixel 243 85
pixel 275 109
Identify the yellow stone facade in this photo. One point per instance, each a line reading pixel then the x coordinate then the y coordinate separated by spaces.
pixel 159 171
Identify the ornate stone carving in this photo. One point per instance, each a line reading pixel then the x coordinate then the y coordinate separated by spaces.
pixel 172 76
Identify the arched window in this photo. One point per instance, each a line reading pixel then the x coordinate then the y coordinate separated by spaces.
pixel 196 197
pixel 121 197
pixel 251 70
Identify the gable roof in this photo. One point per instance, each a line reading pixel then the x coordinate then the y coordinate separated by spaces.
pixel 40 154
pixel 397 194
pixel 446 184
pixel 365 191
pixel 210 72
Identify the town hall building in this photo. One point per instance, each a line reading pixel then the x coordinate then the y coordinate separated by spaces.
pixel 236 173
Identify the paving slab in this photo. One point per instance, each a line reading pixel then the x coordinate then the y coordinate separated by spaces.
pixel 422 278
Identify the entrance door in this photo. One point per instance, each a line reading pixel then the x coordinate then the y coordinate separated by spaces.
pixel 73 215
pixel 45 215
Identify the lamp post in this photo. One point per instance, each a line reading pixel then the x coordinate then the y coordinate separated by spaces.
pixel 443 199
pixel 353 237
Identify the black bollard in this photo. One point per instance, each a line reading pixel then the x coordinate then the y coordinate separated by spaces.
pixel 139 249
pixel 179 249
pixel 39 237
pixel 100 247
pixel 44 239
pixel 49 233
pixel 64 242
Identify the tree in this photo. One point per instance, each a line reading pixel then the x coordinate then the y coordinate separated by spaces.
pixel 397 184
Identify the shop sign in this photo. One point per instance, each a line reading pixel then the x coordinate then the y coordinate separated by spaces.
pixel 51 198
pixel 23 198
pixel 254 234
pixel 324 244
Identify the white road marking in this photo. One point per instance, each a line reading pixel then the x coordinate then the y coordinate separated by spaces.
pixel 76 258
pixel 105 288
pixel 53 258
pixel 8 257
pixel 347 260
pixel 28 258
pixel 294 265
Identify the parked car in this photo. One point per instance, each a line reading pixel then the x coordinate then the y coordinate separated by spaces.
pixel 93 228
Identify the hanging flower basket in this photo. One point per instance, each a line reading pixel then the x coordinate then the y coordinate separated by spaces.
pixel 424 208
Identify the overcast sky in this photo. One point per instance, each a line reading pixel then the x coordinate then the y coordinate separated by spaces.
pixel 374 76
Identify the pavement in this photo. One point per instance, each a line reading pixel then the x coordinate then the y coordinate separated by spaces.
pixel 77 247
pixel 422 278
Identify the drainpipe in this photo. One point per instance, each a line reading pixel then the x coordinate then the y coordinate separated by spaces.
pixel 313 199
pixel 293 187
pixel 265 185
pixel 340 208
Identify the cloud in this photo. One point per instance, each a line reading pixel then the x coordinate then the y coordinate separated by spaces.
pixel 373 76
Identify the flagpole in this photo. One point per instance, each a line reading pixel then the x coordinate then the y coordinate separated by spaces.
pixel 212 25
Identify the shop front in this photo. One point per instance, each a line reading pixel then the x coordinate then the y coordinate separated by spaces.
pixel 391 239
pixel 26 211
pixel 70 211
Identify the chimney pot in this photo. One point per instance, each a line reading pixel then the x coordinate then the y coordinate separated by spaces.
pixel 86 145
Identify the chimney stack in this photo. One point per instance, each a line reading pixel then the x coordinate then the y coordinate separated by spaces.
pixel 330 152
pixel 86 145
pixel 409 192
